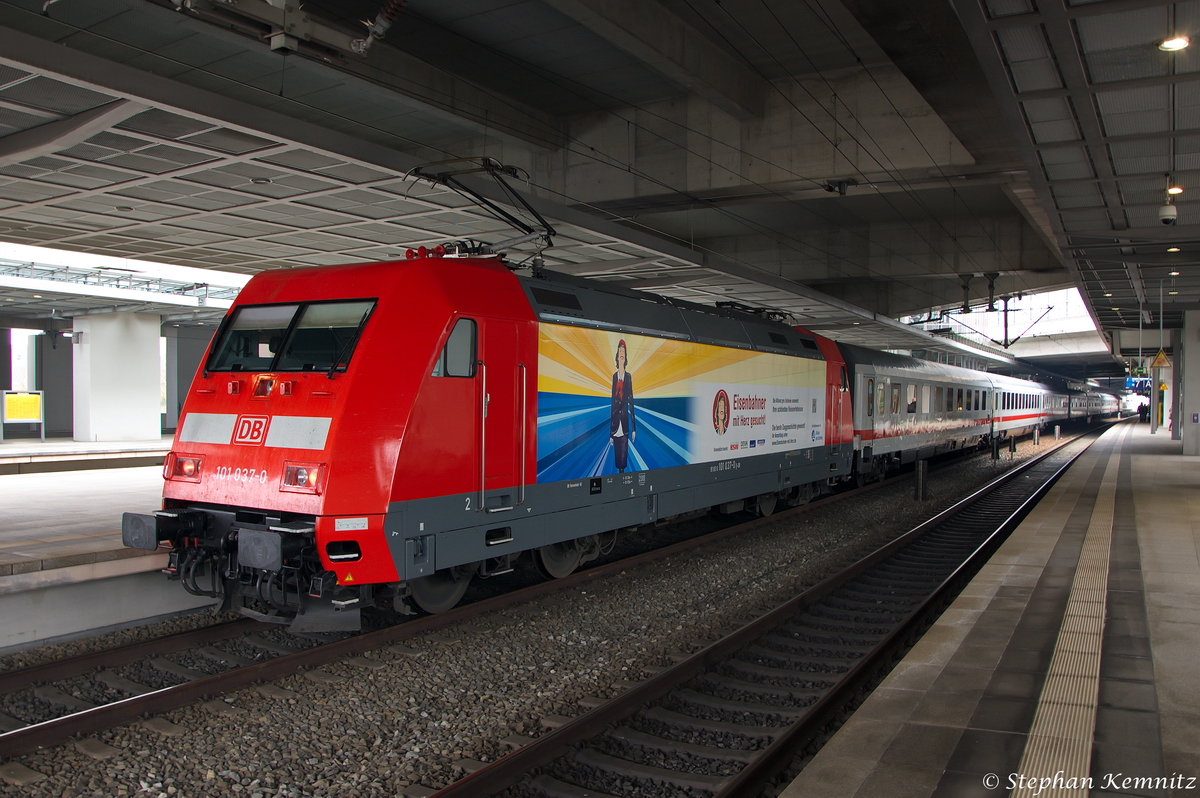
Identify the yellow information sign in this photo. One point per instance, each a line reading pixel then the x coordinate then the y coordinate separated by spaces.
pixel 1160 361
pixel 22 407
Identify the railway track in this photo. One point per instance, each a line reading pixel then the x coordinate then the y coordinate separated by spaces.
pixel 90 693
pixel 726 719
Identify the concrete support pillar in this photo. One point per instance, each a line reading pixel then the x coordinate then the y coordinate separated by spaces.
pixel 1154 392
pixel 1187 361
pixel 55 377
pixel 116 375
pixel 5 359
pixel 1176 385
pixel 185 349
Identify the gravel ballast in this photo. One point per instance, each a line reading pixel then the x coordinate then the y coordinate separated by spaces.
pixel 379 730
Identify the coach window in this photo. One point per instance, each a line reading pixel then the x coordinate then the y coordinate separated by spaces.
pixel 978 399
pixel 949 400
pixel 458 355
pixel 912 399
pixel 870 393
pixel 960 398
pixel 880 399
pixel 894 408
pixel 939 399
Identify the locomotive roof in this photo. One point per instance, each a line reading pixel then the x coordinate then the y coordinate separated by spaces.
pixel 858 355
pixel 564 299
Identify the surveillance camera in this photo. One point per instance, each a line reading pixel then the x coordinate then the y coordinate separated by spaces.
pixel 1167 214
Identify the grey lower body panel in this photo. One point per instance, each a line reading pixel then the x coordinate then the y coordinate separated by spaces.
pixel 432 534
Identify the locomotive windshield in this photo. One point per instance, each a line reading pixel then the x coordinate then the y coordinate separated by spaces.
pixel 309 336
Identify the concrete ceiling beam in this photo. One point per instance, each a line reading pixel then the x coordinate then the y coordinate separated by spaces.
pixel 900 181
pixel 397 78
pixel 663 41
pixel 65 133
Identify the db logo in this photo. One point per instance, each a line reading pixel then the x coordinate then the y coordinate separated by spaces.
pixel 251 430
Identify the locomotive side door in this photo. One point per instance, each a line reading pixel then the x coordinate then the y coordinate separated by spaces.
pixel 500 386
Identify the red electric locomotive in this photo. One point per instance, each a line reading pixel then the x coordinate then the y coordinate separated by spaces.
pixel 387 431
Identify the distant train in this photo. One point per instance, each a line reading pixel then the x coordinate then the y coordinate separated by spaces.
pixel 389 431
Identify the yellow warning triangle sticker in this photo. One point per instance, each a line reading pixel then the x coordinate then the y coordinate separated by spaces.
pixel 348 578
pixel 1160 361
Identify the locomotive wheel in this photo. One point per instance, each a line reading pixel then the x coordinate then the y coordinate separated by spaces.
pixel 440 591
pixel 558 560
pixel 766 504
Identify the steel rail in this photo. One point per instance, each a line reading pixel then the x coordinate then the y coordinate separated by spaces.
pixel 11 681
pixel 510 769
pixel 59 730
pixel 777 755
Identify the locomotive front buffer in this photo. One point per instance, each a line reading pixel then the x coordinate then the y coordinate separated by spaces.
pixel 261 567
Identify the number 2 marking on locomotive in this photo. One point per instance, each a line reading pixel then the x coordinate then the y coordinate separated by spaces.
pixel 468 503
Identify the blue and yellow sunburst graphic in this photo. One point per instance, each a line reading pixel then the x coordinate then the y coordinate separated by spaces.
pixel 576 368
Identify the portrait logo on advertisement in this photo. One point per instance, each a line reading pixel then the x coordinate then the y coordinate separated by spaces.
pixel 720 416
pixel 251 430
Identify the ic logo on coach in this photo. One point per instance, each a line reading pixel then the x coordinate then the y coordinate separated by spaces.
pixel 251 430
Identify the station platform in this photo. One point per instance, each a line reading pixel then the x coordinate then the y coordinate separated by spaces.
pixel 63 569
pixel 1072 655
pixel 32 456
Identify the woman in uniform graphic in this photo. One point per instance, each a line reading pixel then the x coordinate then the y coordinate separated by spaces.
pixel 622 426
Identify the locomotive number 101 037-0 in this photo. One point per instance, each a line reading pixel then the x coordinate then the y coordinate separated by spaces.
pixel 225 473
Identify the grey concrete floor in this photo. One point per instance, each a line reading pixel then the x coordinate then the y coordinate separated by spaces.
pixel 66 505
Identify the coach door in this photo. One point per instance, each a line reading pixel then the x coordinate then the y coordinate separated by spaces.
pixel 500 402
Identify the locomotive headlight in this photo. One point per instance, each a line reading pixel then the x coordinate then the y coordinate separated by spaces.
pixel 302 477
pixel 182 468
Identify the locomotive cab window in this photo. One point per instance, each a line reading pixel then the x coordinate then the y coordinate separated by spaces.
pixel 324 336
pixel 311 336
pixel 458 355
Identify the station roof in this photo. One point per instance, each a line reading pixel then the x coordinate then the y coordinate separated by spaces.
pixel 170 130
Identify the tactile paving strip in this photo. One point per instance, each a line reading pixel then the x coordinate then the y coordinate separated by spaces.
pixel 1059 747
